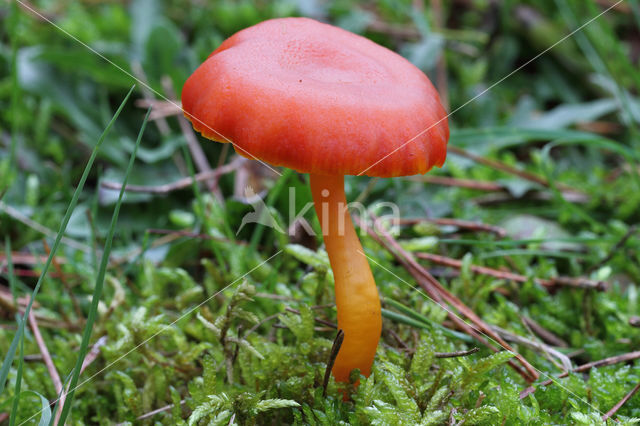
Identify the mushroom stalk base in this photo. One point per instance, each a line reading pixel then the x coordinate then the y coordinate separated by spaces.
pixel 357 299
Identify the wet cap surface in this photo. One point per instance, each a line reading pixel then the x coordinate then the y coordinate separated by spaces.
pixel 312 97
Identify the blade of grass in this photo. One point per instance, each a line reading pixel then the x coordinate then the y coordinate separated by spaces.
pixel 8 360
pixel 18 385
pixel 16 398
pixel 97 292
pixel 93 232
pixel 403 319
pixel 412 316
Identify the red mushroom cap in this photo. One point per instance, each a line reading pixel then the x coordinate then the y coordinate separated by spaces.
pixel 315 98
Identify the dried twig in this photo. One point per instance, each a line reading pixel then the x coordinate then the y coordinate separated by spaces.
pixel 501 197
pixel 456 354
pixel 620 403
pixel 545 334
pixel 36 13
pixel 318 320
pixel 7 301
pixel 46 356
pixel 159 410
pixel 367 190
pixel 195 235
pixel 19 258
pixel 18 272
pixel 601 127
pixel 156 411
pixel 160 109
pixel 401 342
pixel 224 153
pixel 149 97
pixel 8 307
pixel 465 224
pixel 275 316
pixel 502 193
pixel 275 297
pixel 264 320
pixel 200 160
pixel 585 367
pixel 439 294
pixel 181 183
pixel 91 356
pixel 538 346
pixel 552 282
pixel 15 214
pixel 337 343
pixel 396 31
pixel 617 6
pixel 462 183
pixel 615 249
pixel 65 283
pixel 93 353
pixel 430 292
pixel 498 165
pixel 428 283
pixel 157 243
pixel 249 183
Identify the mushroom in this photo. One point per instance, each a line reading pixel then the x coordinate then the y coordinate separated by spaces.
pixel 315 98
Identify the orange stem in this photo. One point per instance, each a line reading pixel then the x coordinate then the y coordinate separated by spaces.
pixel 357 299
